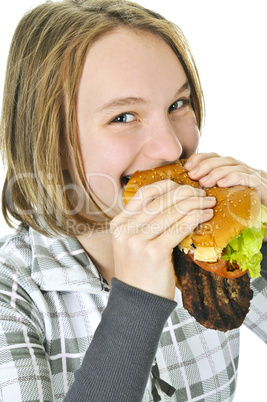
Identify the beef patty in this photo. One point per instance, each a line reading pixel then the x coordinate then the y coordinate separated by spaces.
pixel 215 302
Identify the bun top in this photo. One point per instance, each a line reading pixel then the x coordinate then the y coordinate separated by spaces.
pixel 237 208
pixel 174 171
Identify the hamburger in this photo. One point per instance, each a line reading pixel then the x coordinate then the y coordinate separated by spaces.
pixel 213 264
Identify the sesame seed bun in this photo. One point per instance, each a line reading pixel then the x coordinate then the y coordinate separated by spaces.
pixel 174 171
pixel 237 208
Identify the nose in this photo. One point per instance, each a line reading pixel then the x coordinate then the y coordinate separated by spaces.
pixel 162 145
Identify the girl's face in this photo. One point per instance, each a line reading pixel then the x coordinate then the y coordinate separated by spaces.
pixel 134 112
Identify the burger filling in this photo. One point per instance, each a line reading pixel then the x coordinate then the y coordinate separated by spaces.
pixel 241 255
pixel 244 250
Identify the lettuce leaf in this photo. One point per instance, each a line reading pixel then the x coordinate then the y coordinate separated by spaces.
pixel 245 250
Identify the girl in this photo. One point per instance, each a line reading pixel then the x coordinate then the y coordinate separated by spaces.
pixel 96 90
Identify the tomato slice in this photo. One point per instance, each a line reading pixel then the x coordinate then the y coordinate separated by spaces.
pixel 211 266
pixel 226 273
pixel 220 268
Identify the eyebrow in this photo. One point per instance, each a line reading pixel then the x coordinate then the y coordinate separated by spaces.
pixel 185 87
pixel 130 100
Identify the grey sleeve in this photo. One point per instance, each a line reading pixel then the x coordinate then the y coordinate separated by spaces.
pixel 117 364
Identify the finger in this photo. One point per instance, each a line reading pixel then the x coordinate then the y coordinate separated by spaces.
pixel 153 222
pixel 147 194
pixel 153 228
pixel 227 174
pixel 171 237
pixel 140 199
pixel 247 177
pixel 177 203
pixel 179 210
pixel 195 159
pixel 156 197
pixel 179 194
pixel 244 179
pixel 205 167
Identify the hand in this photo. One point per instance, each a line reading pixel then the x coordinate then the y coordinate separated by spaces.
pixel 211 169
pixel 155 220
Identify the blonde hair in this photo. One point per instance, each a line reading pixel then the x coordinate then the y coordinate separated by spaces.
pixel 44 68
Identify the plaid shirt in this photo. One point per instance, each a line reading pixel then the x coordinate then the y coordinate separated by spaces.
pixel 51 301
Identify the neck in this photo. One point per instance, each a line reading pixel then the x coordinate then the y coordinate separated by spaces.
pixel 98 245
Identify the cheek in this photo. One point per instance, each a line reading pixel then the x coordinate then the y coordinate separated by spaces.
pixel 103 168
pixel 188 135
pixel 100 170
pixel 103 188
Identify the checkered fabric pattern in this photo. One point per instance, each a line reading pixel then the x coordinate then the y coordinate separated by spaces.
pixel 51 301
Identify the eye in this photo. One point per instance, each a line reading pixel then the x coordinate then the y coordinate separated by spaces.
pixel 179 104
pixel 124 118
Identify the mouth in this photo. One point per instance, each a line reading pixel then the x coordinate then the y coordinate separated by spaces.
pixel 125 179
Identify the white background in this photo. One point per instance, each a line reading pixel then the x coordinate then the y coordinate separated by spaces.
pixel 228 40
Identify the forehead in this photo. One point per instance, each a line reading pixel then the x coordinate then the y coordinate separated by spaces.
pixel 129 47
pixel 130 61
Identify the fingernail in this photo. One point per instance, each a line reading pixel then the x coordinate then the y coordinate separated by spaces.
pixel 208 211
pixel 222 181
pixel 205 178
pixel 213 199
pixel 194 171
pixel 188 165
